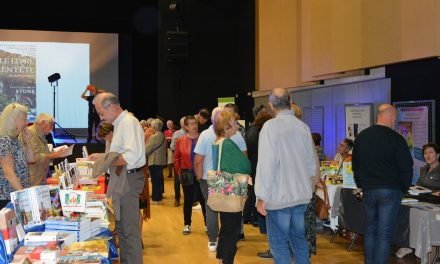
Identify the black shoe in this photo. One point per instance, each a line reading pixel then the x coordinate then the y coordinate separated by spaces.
pixel 265 254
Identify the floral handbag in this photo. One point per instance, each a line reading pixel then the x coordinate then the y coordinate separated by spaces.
pixel 227 192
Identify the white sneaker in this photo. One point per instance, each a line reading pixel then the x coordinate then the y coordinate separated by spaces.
pixel 186 229
pixel 212 246
pixel 197 207
pixel 402 252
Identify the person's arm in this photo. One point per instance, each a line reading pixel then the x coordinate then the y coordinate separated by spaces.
pixel 405 164
pixel 83 95
pixel 265 166
pixel 28 150
pixel 7 165
pixel 198 165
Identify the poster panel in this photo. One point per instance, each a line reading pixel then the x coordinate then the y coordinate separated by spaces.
pixel 357 118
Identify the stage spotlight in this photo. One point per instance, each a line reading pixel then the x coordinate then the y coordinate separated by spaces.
pixel 54 77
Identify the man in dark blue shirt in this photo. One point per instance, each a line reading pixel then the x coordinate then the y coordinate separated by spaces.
pixel 382 167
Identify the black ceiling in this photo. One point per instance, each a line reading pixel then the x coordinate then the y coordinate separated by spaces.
pixel 80 16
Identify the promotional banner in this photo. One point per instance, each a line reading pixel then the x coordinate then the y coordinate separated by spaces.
pixel 357 118
pixel 412 124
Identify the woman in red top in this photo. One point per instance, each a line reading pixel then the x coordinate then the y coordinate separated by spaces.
pixel 184 160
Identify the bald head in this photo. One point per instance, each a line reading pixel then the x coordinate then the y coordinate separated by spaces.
pixel 386 115
pixel 279 99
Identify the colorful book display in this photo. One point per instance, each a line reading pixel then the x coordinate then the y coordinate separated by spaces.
pixel 32 205
pixel 329 167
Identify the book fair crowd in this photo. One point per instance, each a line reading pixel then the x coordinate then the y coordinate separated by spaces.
pixel 266 175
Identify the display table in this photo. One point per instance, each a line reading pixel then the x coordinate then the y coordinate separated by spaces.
pixel 334 200
pixel 425 230
pixel 105 232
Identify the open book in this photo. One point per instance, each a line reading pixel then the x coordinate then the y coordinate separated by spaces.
pixel 69 152
pixel 416 190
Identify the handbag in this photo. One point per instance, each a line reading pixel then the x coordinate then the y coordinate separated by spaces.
pixel 227 192
pixel 186 176
pixel 322 206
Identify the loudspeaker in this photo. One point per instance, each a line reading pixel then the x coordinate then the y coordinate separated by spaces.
pixel 176 46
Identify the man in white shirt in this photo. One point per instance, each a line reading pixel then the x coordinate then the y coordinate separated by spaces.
pixel 128 140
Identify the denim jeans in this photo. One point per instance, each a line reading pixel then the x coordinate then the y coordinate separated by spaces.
pixel 211 216
pixel 381 207
pixel 286 226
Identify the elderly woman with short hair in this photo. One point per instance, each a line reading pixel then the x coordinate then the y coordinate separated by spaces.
pixel 156 150
pixel 14 158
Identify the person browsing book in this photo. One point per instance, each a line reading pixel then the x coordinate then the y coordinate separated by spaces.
pixel 38 171
pixel 128 141
pixel 14 157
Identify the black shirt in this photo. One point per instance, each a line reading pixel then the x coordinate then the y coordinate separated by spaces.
pixel 382 160
pixel 92 110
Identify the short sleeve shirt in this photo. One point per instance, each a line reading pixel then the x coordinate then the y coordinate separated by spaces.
pixel 204 147
pixel 10 146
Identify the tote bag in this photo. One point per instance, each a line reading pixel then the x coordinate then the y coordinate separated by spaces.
pixel 227 192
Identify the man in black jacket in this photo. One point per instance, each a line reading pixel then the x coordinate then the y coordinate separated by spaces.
pixel 382 167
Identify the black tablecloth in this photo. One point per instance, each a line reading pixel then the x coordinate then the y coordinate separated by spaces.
pixel 352 218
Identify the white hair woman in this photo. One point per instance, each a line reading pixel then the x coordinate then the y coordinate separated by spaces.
pixel 14 157
pixel 156 150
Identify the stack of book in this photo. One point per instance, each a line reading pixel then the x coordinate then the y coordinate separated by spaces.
pixel 79 259
pixel 47 254
pixel 95 226
pixel 8 224
pixel 79 226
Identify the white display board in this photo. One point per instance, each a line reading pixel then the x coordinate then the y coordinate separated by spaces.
pixel 357 118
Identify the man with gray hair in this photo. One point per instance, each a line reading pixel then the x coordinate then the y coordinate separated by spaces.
pixel 39 170
pixel 284 179
pixel 128 141
pixel 203 161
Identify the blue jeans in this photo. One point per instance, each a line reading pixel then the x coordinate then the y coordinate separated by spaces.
pixel 381 207
pixel 286 226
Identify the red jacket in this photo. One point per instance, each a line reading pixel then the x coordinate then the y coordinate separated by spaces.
pixel 182 153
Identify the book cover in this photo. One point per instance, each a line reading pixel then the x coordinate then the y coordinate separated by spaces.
pixel 347 176
pixel 329 167
pixel 89 248
pixel 23 207
pixel 55 201
pixel 73 201
pixel 41 203
pixel 8 221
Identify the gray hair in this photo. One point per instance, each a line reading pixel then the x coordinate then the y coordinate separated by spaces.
pixel 106 99
pixel 9 117
pixel 157 124
pixel 280 102
pixel 44 117
pixel 215 112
